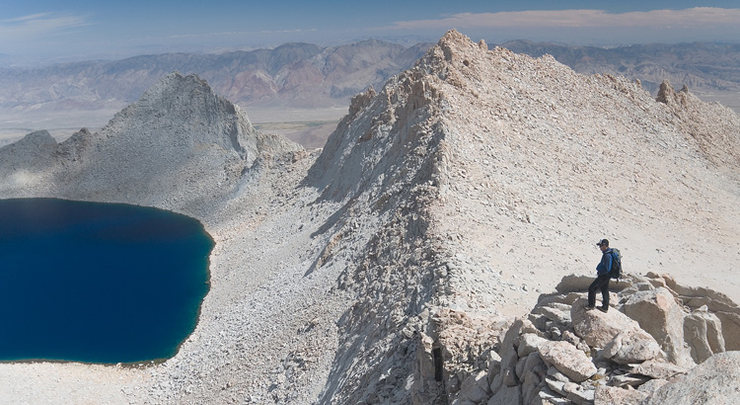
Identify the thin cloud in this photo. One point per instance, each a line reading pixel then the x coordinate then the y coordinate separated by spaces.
pixel 688 18
pixel 241 33
pixel 39 25
pixel 26 18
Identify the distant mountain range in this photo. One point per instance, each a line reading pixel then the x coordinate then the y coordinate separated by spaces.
pixel 309 77
pixel 296 74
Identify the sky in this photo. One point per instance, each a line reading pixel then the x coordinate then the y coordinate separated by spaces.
pixel 54 30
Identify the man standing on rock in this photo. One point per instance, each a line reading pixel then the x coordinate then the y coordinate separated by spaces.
pixel 603 275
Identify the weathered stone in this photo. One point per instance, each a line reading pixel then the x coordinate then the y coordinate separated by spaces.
pixel 529 327
pixel 494 365
pixel 528 343
pixel 571 338
pixel 559 313
pixel 507 395
pixel 703 333
pixel 652 385
pixel 520 368
pixel 509 356
pixel 547 397
pixel 606 395
pixel 538 321
pixel 556 386
pixel 577 394
pixel 597 328
pixel 631 346
pixel 475 387
pixel 730 329
pixel 574 283
pixel 509 377
pixel 714 381
pixel 534 374
pixel 497 382
pixel 658 369
pixel 545 299
pixel 529 392
pixel 568 360
pixel 658 313
pixel 557 375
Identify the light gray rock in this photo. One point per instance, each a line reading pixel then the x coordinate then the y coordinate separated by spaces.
pixel 651 386
pixel 533 377
pixel 714 382
pixel 494 365
pixel 571 338
pixel 730 329
pixel 660 315
pixel 506 396
pixel 596 328
pixel 548 397
pixel 578 395
pixel 658 369
pixel 568 360
pixel 579 283
pixel 557 375
pixel 631 346
pixel 556 385
pixel 606 395
pixel 703 333
pixel 556 313
pixel 722 306
pixel 475 387
pixel 528 343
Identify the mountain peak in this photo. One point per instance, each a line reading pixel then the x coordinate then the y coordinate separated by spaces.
pixel 455 44
pixel 186 106
pixel 178 140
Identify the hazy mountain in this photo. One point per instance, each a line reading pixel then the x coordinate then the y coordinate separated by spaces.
pixel 296 74
pixel 710 70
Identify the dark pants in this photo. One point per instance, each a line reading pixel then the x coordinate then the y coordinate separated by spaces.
pixel 601 283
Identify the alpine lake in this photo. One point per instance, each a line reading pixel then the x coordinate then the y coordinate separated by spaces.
pixel 98 282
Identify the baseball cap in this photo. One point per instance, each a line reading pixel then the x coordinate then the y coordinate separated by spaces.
pixel 603 242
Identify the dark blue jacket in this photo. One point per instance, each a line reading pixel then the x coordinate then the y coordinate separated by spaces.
pixel 605 266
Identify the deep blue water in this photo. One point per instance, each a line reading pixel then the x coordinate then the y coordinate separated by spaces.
pixel 95 282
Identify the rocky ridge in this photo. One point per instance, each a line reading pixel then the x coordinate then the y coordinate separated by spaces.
pixel 385 269
pixel 473 153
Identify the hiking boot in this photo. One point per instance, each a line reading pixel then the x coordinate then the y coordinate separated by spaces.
pixel 589 307
pixel 603 309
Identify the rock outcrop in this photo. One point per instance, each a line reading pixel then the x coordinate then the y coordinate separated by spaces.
pixel 603 357
pixel 714 381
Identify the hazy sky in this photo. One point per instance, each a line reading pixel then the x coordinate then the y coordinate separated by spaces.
pixel 82 29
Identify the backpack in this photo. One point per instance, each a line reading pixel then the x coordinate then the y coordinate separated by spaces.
pixel 616 271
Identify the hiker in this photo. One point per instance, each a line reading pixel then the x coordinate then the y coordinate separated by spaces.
pixel 603 274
